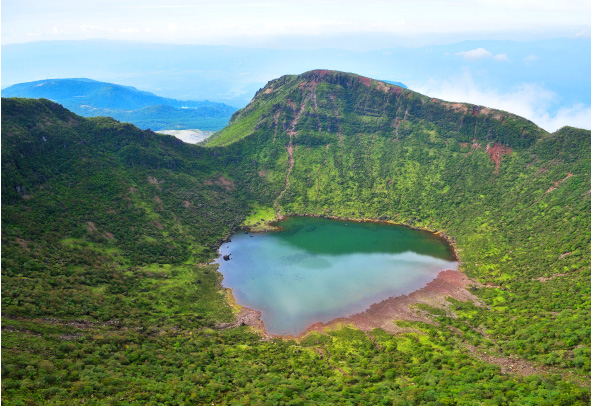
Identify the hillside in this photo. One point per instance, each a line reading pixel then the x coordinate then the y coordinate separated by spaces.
pixel 91 98
pixel 118 282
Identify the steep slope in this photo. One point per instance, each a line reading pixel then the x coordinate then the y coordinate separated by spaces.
pixel 92 98
pixel 106 229
pixel 340 99
pixel 91 202
pixel 514 199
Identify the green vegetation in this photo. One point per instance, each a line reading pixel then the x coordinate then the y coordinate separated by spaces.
pixel 260 219
pixel 106 230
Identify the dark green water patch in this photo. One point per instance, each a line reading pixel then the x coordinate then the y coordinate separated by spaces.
pixel 318 269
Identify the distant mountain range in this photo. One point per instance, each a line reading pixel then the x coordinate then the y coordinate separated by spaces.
pixel 399 84
pixel 91 98
pixel 233 74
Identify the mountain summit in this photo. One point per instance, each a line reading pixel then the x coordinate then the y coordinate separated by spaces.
pixel 327 105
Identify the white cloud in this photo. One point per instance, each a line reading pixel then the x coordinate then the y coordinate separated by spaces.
pixel 475 54
pixel 586 33
pixel 482 53
pixel 531 58
pixel 129 30
pixel 531 101
pixel 501 58
pixel 578 115
pixel 90 28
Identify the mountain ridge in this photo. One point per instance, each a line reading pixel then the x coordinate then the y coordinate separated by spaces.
pixel 448 112
pixel 91 98
pixel 107 232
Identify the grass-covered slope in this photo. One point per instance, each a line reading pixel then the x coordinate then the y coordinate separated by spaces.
pixel 345 103
pixel 93 209
pixel 105 231
pixel 515 199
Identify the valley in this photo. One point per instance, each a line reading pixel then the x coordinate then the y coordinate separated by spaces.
pixel 91 98
pixel 108 231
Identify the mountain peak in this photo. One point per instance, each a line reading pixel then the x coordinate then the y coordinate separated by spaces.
pixel 324 100
pixel 314 77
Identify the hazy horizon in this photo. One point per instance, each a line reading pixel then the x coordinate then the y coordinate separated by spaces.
pixel 527 57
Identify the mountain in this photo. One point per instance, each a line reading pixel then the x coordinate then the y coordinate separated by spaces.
pixel 107 231
pixel 91 98
pixel 556 67
pixel 399 84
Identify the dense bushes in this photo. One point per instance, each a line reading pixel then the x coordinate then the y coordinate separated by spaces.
pixel 106 230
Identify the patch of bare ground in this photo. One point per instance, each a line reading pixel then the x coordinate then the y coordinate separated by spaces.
pixel 246 317
pixel 543 279
pixel 220 181
pixel 556 275
pixel 79 324
pixel 23 243
pixel 292 133
pixel 485 110
pixel 336 114
pixel 13 329
pixel 275 121
pixel 364 80
pixel 382 315
pixel 383 87
pixel 396 125
pixel 512 364
pixel 496 153
pixel 226 183
pixel 153 181
pixel 459 107
pixel 557 183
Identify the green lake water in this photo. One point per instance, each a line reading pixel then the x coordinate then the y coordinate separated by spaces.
pixel 319 269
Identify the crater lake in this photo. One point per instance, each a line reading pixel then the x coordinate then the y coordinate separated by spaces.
pixel 316 269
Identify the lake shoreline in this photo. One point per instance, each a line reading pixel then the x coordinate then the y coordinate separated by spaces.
pixel 382 314
pixel 273 226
